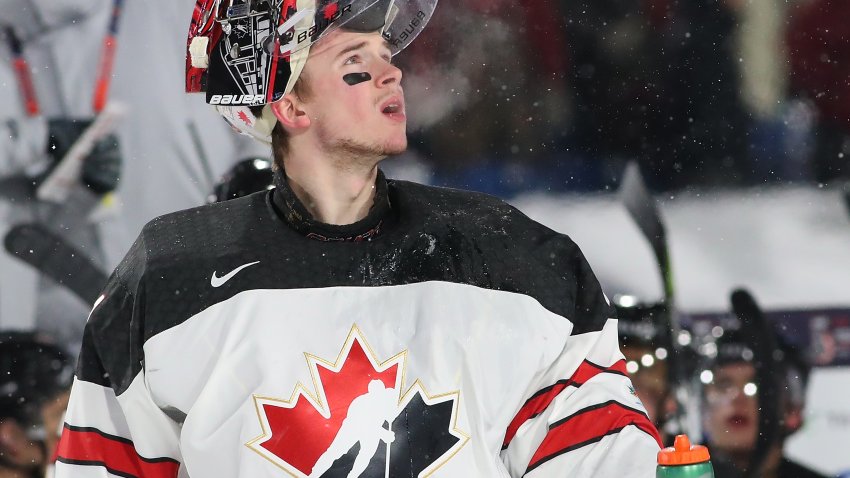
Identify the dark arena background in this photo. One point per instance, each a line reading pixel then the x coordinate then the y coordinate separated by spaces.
pixel 732 116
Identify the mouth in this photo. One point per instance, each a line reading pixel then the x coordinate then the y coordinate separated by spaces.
pixel 393 108
pixel 738 420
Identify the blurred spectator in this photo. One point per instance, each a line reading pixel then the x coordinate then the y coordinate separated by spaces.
pixel 656 81
pixel 762 63
pixel 646 347
pixel 731 412
pixel 761 59
pixel 35 379
pixel 819 47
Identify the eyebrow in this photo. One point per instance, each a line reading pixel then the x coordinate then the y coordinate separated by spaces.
pixel 358 46
pixel 351 48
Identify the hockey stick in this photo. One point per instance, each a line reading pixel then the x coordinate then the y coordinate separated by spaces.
pixel 642 209
pixel 55 258
pixel 57 186
pixel 22 71
pixel 104 72
pixel 755 325
pixel 202 155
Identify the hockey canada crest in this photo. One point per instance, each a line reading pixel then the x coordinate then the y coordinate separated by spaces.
pixel 360 419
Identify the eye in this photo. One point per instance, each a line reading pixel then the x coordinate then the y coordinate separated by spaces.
pixel 352 60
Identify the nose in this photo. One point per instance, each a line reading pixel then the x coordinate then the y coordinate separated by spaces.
pixel 390 75
pixel 738 396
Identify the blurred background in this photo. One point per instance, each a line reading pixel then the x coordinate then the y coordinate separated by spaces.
pixel 736 111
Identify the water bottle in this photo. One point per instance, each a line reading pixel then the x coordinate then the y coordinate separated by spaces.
pixel 684 460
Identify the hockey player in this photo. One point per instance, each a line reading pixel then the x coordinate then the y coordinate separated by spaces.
pixel 35 376
pixel 245 177
pixel 236 339
pixel 731 418
pixel 646 349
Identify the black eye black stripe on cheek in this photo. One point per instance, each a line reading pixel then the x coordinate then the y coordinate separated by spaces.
pixel 356 78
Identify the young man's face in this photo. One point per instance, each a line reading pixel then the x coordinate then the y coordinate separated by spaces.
pixel 731 414
pixel 355 101
pixel 19 451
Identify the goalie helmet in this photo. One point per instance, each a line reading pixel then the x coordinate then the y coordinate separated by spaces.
pixel 246 54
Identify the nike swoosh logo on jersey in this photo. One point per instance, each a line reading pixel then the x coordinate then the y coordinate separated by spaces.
pixel 219 281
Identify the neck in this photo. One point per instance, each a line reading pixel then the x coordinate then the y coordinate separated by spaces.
pixel 333 191
pixel 769 467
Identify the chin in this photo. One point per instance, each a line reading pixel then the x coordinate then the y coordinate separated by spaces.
pixel 397 149
pixel 740 441
pixel 743 446
pixel 395 145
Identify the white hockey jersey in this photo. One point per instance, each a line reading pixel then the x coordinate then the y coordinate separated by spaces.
pixel 444 335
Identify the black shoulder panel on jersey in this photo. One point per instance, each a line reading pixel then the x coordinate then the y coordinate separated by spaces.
pixel 111 353
pixel 525 256
pixel 435 234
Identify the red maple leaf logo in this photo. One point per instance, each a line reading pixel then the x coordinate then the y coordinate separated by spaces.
pixel 244 117
pixel 296 432
pixel 330 10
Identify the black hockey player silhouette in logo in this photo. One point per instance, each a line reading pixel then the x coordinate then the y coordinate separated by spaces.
pixel 364 424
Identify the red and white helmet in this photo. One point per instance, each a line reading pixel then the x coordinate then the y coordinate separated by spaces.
pixel 248 53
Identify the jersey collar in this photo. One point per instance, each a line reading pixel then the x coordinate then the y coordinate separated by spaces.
pixel 294 214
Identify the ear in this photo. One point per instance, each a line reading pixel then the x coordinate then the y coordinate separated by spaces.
pixel 793 419
pixel 289 110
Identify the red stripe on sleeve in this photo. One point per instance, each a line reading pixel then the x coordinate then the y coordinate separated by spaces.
pixel 541 400
pixel 589 426
pixel 88 446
